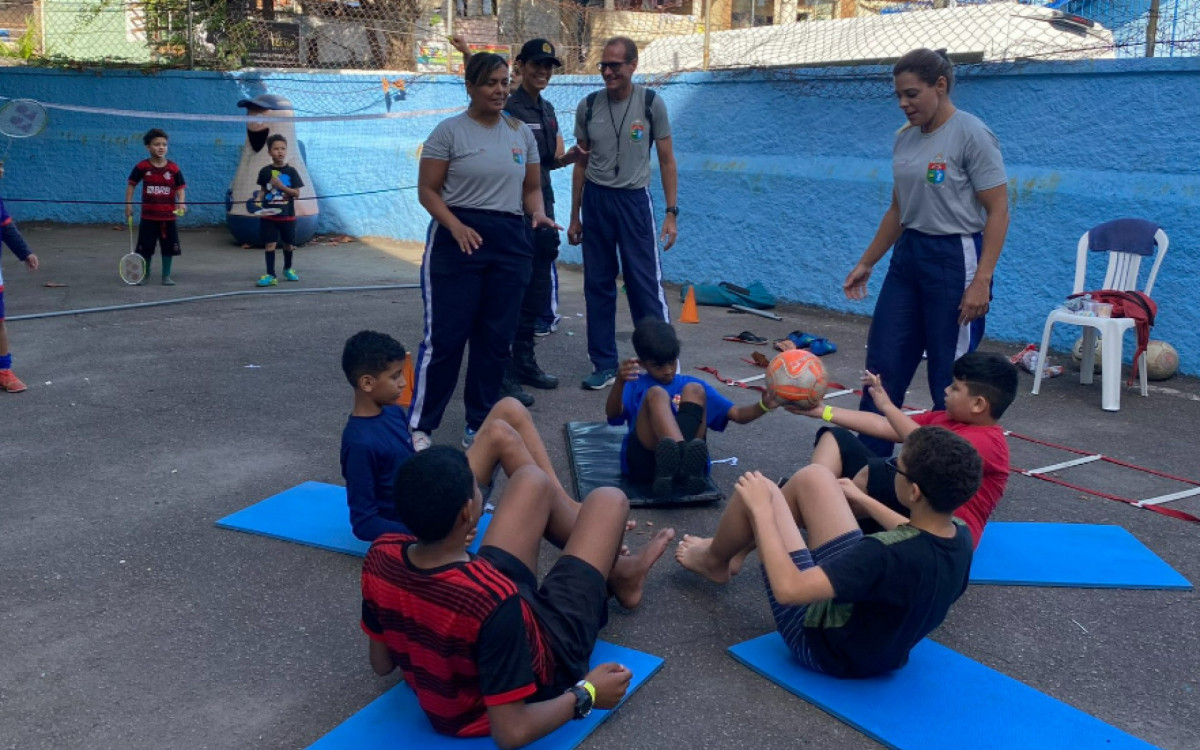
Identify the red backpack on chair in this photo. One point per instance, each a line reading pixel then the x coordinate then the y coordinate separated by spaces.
pixel 1134 305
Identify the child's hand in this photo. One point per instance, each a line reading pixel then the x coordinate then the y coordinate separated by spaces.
pixel 31 262
pixel 756 491
pixel 629 370
pixel 853 494
pixel 611 681
pixel 873 385
pixel 815 411
pixel 128 212
pixel 180 209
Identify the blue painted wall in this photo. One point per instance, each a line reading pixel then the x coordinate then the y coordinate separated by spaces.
pixel 781 180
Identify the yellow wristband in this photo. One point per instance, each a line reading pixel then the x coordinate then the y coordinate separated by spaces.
pixel 827 415
pixel 763 406
pixel 590 688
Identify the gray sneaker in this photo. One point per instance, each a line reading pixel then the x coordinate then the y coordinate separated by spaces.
pixel 599 380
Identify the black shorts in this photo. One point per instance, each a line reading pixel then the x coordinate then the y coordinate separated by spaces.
pixel 881 478
pixel 153 232
pixel 274 231
pixel 571 605
pixel 640 459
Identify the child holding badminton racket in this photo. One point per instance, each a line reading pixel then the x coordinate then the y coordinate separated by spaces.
pixel 12 237
pixel 279 184
pixel 162 201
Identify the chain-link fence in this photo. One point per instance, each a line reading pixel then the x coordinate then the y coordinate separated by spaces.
pixel 674 35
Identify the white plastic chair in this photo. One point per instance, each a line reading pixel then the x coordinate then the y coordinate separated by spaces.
pixel 1121 275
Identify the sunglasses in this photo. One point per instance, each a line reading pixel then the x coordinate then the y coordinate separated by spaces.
pixel 613 66
pixel 892 462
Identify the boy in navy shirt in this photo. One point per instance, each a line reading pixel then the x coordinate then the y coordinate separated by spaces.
pixel 668 414
pixel 850 605
pixel 376 440
pixel 278 187
pixel 11 236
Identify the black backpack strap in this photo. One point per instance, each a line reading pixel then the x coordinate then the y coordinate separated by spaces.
pixel 650 114
pixel 587 117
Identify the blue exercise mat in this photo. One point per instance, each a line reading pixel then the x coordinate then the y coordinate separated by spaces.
pixel 395 720
pixel 313 513
pixel 940 699
pixel 1069 554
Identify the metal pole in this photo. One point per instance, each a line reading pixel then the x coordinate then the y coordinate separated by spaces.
pixel 1152 28
pixel 449 33
pixel 191 30
pixel 707 30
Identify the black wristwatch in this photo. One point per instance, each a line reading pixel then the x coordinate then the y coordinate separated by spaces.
pixel 673 210
pixel 583 699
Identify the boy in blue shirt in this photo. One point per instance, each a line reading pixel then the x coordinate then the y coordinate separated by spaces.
pixel 376 440
pixel 668 414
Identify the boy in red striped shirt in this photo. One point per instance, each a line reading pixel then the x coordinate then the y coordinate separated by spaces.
pixel 163 189
pixel 486 649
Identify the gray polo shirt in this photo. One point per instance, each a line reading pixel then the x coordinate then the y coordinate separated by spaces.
pixel 938 174
pixel 487 164
pixel 619 138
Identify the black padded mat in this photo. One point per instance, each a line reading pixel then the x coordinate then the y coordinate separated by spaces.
pixel 595 451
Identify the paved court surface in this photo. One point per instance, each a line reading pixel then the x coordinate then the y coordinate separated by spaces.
pixel 128 621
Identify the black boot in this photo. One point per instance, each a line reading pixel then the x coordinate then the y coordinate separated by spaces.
pixel 511 386
pixel 525 368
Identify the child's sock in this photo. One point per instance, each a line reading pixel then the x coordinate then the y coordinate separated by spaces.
pixel 167 261
pixel 271 262
pixel 6 361
pixel 287 259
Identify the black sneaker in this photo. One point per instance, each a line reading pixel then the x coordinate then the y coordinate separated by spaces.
pixel 693 466
pixel 527 372
pixel 666 467
pixel 510 387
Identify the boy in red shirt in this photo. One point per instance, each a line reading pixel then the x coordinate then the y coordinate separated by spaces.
pixel 486 648
pixel 162 201
pixel 984 386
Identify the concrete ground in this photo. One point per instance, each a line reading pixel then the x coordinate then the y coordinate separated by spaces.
pixel 127 620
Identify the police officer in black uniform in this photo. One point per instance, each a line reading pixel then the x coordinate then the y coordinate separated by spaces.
pixel 537 61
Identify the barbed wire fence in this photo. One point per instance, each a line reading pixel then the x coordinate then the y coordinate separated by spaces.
pixel 795 39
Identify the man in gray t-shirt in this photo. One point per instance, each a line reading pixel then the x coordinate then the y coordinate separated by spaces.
pixel 611 210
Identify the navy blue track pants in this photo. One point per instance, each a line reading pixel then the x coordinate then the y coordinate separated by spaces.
pixel 917 313
pixel 469 299
pixel 618 225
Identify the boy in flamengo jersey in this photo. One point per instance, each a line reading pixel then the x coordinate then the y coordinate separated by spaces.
pixel 279 184
pixel 10 236
pixel 163 189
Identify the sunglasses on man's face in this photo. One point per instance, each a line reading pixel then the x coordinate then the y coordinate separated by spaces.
pixel 892 462
pixel 613 66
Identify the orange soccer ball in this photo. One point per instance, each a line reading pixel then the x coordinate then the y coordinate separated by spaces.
pixel 798 376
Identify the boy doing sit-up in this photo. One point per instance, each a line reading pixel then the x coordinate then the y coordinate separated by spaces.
pixel 850 605
pixel 984 386
pixel 486 649
pixel 667 414
pixel 376 439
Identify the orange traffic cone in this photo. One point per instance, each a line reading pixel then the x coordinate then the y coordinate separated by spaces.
pixel 406 394
pixel 689 313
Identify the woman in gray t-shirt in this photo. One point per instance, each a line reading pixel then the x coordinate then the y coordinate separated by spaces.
pixel 479 179
pixel 946 226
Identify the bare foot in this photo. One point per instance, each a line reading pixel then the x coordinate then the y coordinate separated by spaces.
pixel 629 573
pixel 692 552
pixel 738 560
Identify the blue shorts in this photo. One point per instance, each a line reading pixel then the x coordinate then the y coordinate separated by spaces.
pixel 789 619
